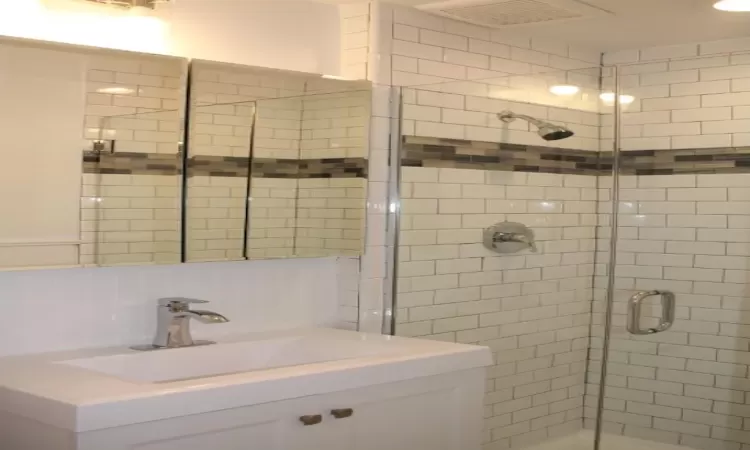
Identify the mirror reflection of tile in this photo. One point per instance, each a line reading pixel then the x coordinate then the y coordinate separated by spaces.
pixel 295 143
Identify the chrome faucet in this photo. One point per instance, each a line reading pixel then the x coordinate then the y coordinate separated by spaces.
pixel 173 328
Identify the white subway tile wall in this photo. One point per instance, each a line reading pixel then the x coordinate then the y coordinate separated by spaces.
pixel 453 57
pixel 457 116
pixel 531 309
pixel 355 40
pixel 687 234
pixel 688 99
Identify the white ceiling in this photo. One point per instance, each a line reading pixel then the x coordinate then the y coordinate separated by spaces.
pixel 636 24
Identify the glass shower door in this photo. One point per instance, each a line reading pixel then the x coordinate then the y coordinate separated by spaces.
pixel 464 169
pixel 676 345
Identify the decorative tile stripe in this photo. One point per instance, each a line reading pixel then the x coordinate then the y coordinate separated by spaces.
pixel 436 152
pixel 333 168
pixel 460 154
pixel 132 163
pixel 222 166
pixel 278 168
pixel 682 161
pixel 218 166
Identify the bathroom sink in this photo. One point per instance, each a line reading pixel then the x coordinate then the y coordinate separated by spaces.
pixel 102 388
pixel 188 363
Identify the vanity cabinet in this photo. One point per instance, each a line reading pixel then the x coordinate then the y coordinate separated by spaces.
pixel 441 412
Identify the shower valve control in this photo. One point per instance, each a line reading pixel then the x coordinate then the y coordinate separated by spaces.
pixel 509 237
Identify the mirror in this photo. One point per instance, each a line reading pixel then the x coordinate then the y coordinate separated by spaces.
pixel 131 193
pixel 104 129
pixel 277 164
pixel 264 163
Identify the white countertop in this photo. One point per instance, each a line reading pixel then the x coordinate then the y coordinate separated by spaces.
pixel 38 387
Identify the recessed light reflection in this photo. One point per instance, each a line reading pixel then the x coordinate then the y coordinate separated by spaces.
pixel 733 5
pixel 116 90
pixel 609 97
pixel 565 89
pixel 336 77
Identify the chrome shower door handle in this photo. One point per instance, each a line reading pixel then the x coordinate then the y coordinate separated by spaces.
pixel 668 305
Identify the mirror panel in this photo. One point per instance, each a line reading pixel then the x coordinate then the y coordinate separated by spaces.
pixel 304 155
pixel 236 110
pixel 131 194
pixel 71 107
pixel 267 164
pixel 333 172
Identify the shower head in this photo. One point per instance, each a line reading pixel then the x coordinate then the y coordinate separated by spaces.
pixel 548 131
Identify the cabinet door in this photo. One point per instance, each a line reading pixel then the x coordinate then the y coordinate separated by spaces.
pixel 273 426
pixel 435 413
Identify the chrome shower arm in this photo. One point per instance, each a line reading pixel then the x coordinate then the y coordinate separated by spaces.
pixel 508 116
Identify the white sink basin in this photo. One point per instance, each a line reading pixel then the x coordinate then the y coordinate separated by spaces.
pixel 97 389
pixel 160 366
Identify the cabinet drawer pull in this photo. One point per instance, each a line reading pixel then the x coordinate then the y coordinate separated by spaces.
pixel 342 413
pixel 311 420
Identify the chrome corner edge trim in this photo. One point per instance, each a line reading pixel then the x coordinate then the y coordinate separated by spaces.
pixel 393 214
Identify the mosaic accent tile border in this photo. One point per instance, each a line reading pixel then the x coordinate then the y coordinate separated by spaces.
pixel 682 161
pixel 461 154
pixel 132 163
pixel 222 166
pixel 278 168
pixel 333 168
pixel 218 166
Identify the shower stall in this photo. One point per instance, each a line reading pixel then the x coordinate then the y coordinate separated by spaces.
pixel 617 312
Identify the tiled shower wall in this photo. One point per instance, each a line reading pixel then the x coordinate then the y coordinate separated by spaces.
pixel 400 46
pixel 685 233
pixel 688 96
pixel 532 310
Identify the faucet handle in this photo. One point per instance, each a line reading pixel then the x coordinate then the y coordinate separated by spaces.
pixel 179 302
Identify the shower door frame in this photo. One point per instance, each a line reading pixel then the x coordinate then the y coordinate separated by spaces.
pixel 612 262
pixel 393 218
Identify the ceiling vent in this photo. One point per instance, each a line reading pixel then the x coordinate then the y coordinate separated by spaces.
pixel 130 3
pixel 512 13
